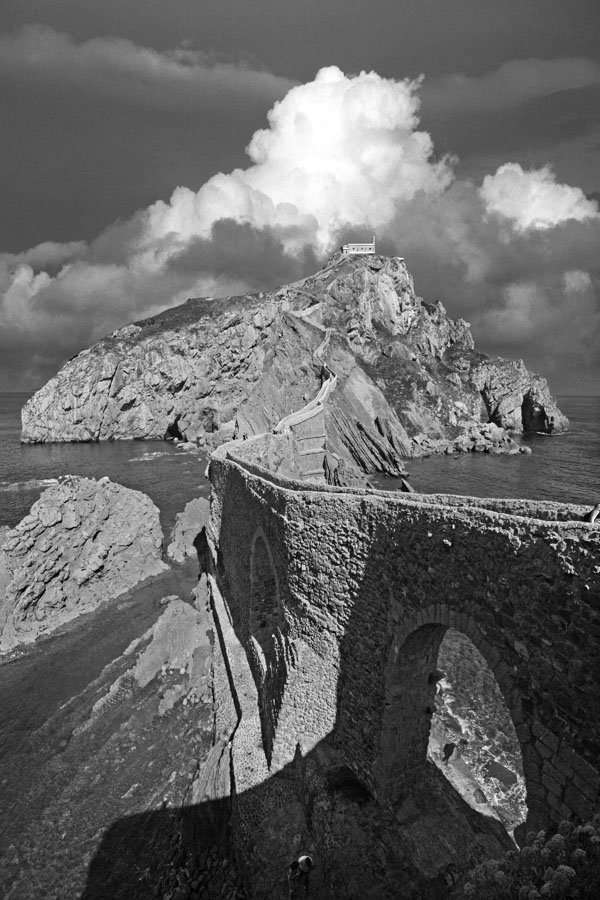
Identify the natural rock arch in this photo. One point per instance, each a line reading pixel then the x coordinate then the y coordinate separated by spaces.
pixel 411 679
pixel 268 650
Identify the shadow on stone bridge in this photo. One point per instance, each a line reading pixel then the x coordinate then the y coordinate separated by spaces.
pixel 330 607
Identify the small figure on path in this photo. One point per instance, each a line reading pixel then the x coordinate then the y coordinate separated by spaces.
pixel 592 515
pixel 299 872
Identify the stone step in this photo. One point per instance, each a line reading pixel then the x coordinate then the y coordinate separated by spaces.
pixel 309 437
pixel 320 450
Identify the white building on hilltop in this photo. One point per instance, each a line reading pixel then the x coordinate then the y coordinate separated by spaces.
pixel 359 249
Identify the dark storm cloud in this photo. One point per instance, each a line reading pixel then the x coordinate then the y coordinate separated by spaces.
pixel 256 256
pixel 396 39
pixel 122 71
pixel 560 127
pixel 44 320
pixel 531 294
pixel 94 130
pixel 513 83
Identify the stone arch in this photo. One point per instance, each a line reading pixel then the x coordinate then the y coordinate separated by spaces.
pixel 269 651
pixel 411 678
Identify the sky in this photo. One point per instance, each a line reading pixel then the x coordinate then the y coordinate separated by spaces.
pixel 152 151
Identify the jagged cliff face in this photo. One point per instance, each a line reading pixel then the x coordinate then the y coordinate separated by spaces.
pixel 409 379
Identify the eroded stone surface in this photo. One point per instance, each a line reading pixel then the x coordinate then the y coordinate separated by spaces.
pixel 83 542
pixel 337 604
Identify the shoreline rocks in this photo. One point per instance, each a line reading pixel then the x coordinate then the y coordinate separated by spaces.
pixel 483 438
pixel 84 542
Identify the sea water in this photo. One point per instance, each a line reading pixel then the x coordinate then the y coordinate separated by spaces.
pixel 562 467
pixel 169 476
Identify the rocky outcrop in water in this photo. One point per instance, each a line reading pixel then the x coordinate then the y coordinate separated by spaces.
pixel 517 400
pixel 233 366
pixel 84 542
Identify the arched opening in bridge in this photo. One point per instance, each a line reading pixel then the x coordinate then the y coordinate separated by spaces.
pixel 471 720
pixel 268 650
pixel 440 692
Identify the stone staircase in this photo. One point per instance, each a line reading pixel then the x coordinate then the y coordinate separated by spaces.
pixel 308 424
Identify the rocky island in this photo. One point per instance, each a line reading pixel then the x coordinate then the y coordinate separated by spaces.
pixel 408 380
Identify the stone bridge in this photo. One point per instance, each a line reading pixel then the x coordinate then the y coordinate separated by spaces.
pixel 340 598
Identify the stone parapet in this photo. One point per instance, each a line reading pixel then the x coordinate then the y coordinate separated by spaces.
pixel 356 572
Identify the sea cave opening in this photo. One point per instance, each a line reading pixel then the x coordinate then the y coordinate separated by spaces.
pixel 472 738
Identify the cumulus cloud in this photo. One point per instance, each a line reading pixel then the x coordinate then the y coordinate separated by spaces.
pixel 117 69
pixel 516 255
pixel 338 150
pixel 533 199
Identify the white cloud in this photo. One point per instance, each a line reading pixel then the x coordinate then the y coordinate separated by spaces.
pixel 533 199
pixel 338 150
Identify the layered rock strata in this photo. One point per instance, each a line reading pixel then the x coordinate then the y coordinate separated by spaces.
pixel 220 368
pixel 83 542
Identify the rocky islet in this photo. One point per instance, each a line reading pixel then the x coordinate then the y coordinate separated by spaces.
pixel 409 381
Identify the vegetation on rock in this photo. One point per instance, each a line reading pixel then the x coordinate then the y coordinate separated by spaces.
pixel 567 865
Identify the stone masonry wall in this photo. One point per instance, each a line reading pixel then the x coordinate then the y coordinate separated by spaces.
pixel 368 584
